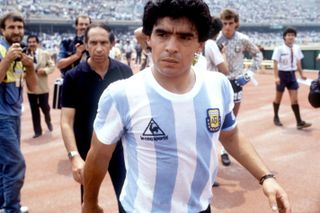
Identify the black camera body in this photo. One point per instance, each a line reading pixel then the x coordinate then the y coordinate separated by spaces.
pixel 24 49
pixel 79 40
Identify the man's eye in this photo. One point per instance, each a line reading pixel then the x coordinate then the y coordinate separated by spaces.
pixel 162 35
pixel 186 38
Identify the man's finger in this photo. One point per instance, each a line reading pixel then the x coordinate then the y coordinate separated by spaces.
pixel 273 203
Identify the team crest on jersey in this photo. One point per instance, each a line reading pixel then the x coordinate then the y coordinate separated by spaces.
pixel 153 132
pixel 213 120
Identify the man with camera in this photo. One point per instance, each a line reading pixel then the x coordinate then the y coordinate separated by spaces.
pixel 72 51
pixel 39 99
pixel 15 66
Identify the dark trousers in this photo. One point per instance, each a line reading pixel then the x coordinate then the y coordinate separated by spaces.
pixel 117 173
pixel 37 102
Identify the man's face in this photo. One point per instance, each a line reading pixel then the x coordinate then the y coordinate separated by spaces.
pixel 32 44
pixel 82 25
pixel 98 45
pixel 289 38
pixel 13 31
pixel 229 27
pixel 173 44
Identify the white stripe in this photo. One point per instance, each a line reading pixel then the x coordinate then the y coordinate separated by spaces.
pixel 145 157
pixel 182 186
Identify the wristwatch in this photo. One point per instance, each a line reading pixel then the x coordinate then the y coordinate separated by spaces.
pixel 72 154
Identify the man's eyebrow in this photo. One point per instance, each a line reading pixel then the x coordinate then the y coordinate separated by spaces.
pixel 184 34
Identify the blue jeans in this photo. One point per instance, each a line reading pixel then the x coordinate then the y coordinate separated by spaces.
pixel 12 164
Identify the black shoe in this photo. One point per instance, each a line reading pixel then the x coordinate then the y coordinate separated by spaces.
pixel 37 135
pixel 50 127
pixel 215 184
pixel 225 159
pixel 303 125
pixel 277 121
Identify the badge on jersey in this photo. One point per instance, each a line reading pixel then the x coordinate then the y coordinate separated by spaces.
pixel 213 120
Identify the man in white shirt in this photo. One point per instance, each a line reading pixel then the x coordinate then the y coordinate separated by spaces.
pixel 170 118
pixel 287 59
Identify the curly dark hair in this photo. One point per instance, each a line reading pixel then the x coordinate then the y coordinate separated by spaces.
pixel 196 11
pixel 12 15
pixel 289 30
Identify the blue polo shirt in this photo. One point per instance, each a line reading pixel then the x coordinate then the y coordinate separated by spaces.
pixel 82 88
pixel 11 93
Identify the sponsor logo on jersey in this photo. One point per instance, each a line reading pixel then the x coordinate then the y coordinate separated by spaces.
pixel 153 132
pixel 213 120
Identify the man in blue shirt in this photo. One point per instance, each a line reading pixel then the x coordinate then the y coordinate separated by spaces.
pixel 14 67
pixel 72 51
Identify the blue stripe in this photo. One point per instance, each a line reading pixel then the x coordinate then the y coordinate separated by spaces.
pixel 166 153
pixel 131 153
pixel 203 146
pixel 229 120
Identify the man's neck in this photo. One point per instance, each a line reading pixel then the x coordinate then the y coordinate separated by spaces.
pixel 179 84
pixel 100 68
pixel 289 44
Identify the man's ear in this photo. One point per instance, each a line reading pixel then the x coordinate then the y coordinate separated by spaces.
pixel 148 41
pixel 201 47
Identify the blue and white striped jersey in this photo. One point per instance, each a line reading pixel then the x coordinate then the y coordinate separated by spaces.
pixel 170 140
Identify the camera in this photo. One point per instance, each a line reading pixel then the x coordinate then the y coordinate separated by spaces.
pixel 24 48
pixel 79 40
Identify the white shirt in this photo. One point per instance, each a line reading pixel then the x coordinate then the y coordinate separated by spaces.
pixel 169 140
pixel 213 55
pixel 282 55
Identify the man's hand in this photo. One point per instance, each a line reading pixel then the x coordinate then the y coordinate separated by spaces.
pixel 14 52
pixel 27 61
pixel 41 71
pixel 278 198
pixel 80 49
pixel 303 76
pixel 91 208
pixel 77 169
pixel 243 79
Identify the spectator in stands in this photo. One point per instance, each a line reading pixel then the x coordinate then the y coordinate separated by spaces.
pixel 235 44
pixel 286 61
pixel 72 51
pixel 82 88
pixel 14 66
pixel 39 99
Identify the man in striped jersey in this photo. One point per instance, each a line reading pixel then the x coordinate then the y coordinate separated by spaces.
pixel 170 117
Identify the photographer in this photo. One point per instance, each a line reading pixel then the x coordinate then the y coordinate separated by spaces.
pixel 15 66
pixel 72 51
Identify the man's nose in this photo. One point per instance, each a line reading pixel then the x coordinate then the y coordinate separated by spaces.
pixel 16 30
pixel 172 44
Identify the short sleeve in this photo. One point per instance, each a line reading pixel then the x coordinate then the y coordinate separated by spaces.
pixel 229 118
pixel 108 124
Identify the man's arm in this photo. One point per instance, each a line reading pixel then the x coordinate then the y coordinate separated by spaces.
pixel 222 67
pixel 141 38
pixel 276 72
pixel 299 66
pixel 31 76
pixel 95 169
pixel 66 123
pixel 243 151
pixel 256 55
pixel 65 62
pixel 48 67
